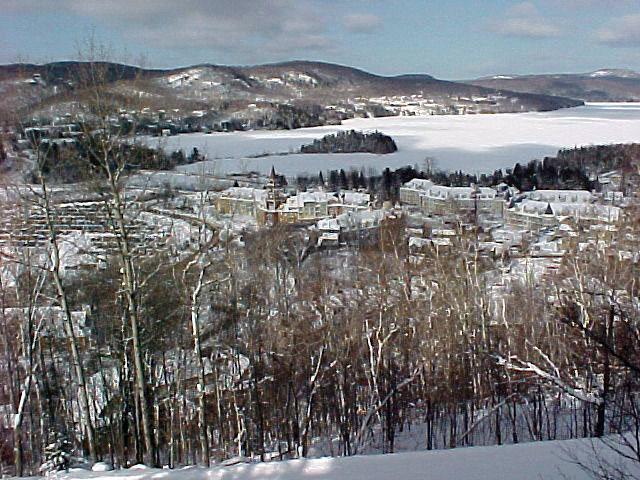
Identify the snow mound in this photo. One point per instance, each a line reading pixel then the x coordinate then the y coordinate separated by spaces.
pixel 530 461
pixel 101 467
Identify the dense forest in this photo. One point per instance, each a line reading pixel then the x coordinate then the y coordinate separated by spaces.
pixel 66 162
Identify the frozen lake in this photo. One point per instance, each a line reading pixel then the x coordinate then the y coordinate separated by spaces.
pixel 473 143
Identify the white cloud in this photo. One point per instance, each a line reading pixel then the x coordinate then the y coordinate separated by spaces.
pixel 271 27
pixel 621 32
pixel 524 20
pixel 362 22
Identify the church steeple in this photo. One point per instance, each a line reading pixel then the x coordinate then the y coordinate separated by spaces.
pixel 549 210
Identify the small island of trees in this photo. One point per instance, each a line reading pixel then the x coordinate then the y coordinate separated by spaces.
pixel 352 142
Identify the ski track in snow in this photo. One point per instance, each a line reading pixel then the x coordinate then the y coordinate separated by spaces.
pixel 473 143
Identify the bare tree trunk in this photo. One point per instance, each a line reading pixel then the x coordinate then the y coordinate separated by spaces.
pixel 131 292
pixel 83 398
pixel 197 350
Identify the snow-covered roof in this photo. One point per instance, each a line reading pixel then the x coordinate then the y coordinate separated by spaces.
pixel 301 198
pixel 443 232
pixel 568 196
pixel 418 242
pixel 328 224
pixel 440 191
pixel 355 198
pixel 605 213
pixel 246 193
pixel 418 184
pixel 352 219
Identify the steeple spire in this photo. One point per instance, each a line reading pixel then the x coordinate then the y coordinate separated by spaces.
pixel 549 210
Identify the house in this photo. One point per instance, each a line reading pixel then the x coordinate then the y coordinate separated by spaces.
pixel 530 215
pixel 610 181
pixel 422 246
pixel 271 205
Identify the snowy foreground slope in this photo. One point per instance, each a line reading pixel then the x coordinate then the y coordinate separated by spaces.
pixel 531 461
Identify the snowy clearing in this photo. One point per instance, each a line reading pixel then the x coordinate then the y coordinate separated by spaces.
pixel 530 461
pixel 474 143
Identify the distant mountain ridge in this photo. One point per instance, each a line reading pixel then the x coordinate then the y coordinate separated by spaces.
pixel 604 85
pixel 30 87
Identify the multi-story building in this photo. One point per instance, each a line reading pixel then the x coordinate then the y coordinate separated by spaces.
pixel 271 205
pixel 309 206
pixel 536 215
pixel 534 210
pixel 241 201
pixel 411 191
pixel 530 215
pixel 440 200
pixel 561 196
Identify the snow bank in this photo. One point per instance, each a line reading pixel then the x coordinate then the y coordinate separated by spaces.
pixel 531 461
pixel 101 467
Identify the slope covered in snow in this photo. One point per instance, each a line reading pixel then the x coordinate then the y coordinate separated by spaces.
pixel 531 461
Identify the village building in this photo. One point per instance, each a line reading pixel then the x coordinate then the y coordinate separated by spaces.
pixel 536 215
pixel 349 226
pixel 411 191
pixel 271 205
pixel 561 196
pixel 441 200
pixel 241 201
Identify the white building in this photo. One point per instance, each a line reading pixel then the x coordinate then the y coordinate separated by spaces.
pixel 410 192
pixel 441 200
pixel 536 215
pixel 561 196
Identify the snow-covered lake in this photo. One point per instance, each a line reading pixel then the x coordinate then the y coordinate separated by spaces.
pixel 473 143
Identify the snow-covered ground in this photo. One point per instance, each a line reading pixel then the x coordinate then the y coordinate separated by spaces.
pixel 474 143
pixel 530 461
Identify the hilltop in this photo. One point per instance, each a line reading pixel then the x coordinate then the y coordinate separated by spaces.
pixel 605 85
pixel 325 93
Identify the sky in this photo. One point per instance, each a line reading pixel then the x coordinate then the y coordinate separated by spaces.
pixel 450 39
